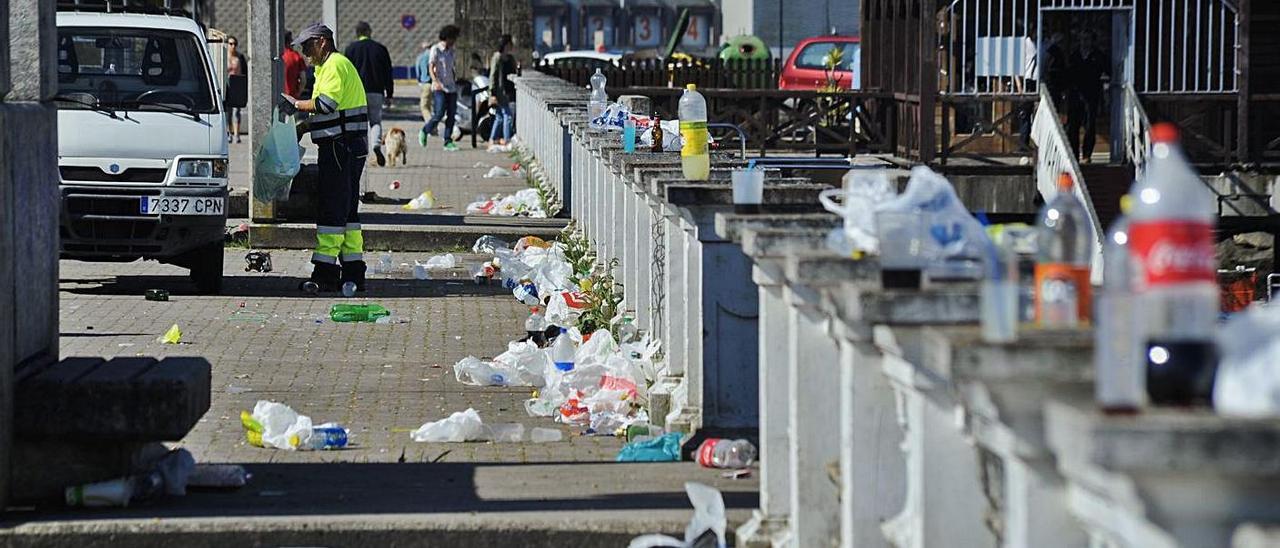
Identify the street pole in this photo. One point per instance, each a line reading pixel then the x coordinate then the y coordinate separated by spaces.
pixel 266 20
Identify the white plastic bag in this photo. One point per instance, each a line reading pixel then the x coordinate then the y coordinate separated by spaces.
pixel 426 200
pixel 927 224
pixel 442 262
pixel 497 172
pixel 280 424
pixel 708 519
pixel 528 363
pixel 458 427
pixel 1248 378
pixel 862 194
pixel 597 350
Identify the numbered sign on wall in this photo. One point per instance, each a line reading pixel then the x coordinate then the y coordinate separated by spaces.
pixel 546 30
pixel 697 35
pixel 646 30
pixel 599 29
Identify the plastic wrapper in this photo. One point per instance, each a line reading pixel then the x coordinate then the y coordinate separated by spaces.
pixel 459 427
pixel 1248 379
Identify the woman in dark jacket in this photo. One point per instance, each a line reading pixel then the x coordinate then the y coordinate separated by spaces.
pixel 502 92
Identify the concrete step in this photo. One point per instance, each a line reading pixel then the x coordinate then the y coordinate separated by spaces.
pixel 411 232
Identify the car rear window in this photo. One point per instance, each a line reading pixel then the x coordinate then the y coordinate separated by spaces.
pixel 814 56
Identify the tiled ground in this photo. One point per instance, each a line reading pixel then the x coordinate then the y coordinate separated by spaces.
pixel 267 341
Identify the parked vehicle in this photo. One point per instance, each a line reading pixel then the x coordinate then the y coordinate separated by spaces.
pixel 142 146
pixel 805 68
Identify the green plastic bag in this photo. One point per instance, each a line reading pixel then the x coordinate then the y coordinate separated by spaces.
pixel 277 160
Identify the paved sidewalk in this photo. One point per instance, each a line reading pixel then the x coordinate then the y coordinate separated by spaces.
pixel 265 341
pixel 379 380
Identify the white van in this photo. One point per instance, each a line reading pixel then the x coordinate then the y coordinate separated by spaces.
pixel 142 142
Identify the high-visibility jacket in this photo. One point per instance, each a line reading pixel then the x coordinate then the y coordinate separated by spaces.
pixel 340 101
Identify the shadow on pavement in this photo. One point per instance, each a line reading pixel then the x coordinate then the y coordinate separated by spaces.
pixel 327 489
pixel 277 287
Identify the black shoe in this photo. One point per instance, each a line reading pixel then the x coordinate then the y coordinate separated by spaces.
pixel 353 271
pixel 325 277
pixel 382 160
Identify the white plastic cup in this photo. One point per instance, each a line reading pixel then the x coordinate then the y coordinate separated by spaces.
pixel 545 435
pixel 748 187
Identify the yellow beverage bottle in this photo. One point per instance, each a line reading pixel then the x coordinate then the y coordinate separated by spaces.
pixel 695 159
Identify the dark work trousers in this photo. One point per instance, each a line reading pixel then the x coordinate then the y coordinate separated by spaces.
pixel 341 163
pixel 1083 110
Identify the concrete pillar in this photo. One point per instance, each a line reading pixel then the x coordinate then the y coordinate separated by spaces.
pixel 6 273
pixel 266 32
pixel 815 437
pixel 28 195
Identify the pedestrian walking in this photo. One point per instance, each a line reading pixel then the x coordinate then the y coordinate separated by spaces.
pixel 237 66
pixel 423 64
pixel 373 62
pixel 1089 68
pixel 338 125
pixel 294 64
pixel 444 88
pixel 502 92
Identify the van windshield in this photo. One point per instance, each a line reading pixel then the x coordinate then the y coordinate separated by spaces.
pixel 132 68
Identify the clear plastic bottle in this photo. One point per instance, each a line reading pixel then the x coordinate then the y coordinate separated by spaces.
pixel 722 453
pixel 1119 372
pixel 1064 249
pixel 535 323
pixel 695 159
pixel 562 351
pixel 599 98
pixel 349 289
pixel 1171 238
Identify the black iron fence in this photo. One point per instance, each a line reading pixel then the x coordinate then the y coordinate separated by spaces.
pixel 705 73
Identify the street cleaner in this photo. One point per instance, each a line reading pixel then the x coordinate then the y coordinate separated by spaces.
pixel 338 125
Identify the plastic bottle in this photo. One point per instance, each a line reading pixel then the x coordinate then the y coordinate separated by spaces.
pixel 536 322
pixel 695 160
pixel 1171 238
pixel 1064 249
pixel 545 435
pixel 599 98
pixel 327 437
pixel 349 289
pixel 1118 361
pixel 629 135
pixel 656 146
pixel 343 312
pixel 722 453
pixel 527 293
pixel 562 351
pixel 999 297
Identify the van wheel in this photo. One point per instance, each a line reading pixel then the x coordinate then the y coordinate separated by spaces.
pixel 206 269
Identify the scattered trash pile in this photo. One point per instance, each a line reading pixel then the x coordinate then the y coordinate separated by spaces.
pixel 524 203
pixel 171 475
pixel 278 426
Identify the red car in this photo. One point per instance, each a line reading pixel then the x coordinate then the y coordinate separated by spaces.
pixel 805 68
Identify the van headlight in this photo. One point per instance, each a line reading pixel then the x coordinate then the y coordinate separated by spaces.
pixel 202 169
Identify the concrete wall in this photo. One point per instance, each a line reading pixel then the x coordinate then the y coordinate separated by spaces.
pixel 383 15
pixel 28 201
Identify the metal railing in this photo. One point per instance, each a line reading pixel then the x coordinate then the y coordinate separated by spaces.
pixel 1055 156
pixel 1137 131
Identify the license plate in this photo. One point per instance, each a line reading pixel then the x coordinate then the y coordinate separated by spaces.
pixel 180 205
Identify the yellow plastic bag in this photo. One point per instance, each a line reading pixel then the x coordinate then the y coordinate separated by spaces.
pixel 172 336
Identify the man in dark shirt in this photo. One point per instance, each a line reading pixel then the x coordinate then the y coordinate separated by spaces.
pixel 1089 68
pixel 373 62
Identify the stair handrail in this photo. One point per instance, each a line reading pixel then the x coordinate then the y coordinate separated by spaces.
pixel 1137 131
pixel 1055 156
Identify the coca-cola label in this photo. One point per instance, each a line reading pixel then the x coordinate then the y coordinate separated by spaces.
pixel 1173 252
pixel 707 451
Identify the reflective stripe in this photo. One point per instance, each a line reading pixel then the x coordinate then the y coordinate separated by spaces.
pixel 324 133
pixel 319 257
pixel 326 104
pixel 352 256
pixel 353 226
pixel 330 229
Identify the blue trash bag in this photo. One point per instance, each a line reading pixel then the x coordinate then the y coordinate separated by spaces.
pixel 663 449
pixel 277 160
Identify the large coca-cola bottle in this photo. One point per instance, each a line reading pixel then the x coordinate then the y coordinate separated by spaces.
pixel 1171 237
